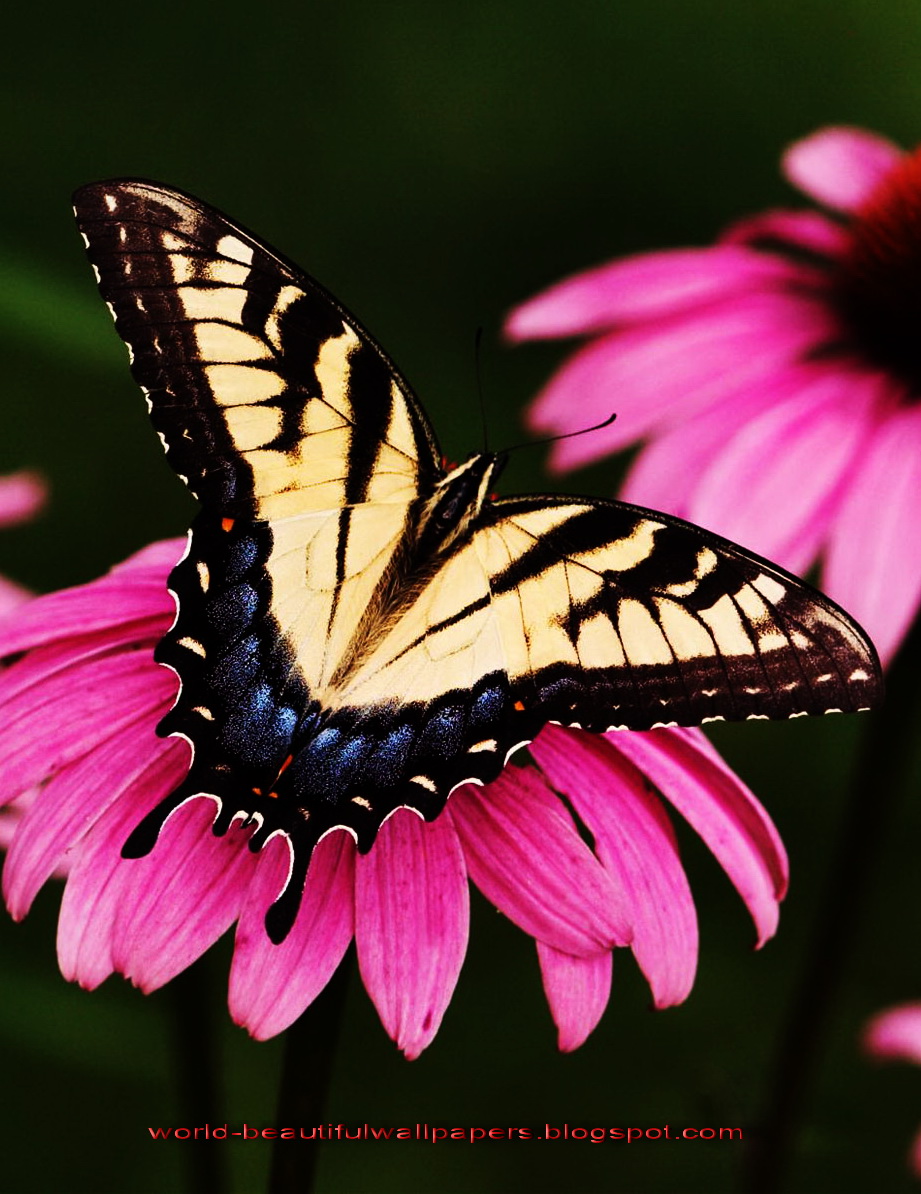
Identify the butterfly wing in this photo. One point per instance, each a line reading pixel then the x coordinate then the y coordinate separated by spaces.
pixel 305 446
pixel 596 614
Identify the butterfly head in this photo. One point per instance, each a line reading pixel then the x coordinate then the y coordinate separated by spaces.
pixel 456 501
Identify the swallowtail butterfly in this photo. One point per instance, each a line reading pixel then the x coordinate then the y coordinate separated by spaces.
pixel 360 630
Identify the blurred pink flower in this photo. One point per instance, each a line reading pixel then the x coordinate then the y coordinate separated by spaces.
pixel 22 496
pixel 895 1035
pixel 80 708
pixel 777 376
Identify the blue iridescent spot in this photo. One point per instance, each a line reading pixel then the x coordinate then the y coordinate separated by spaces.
pixel 386 761
pixel 240 558
pixel 443 732
pixel 488 706
pixel 230 613
pixel 236 671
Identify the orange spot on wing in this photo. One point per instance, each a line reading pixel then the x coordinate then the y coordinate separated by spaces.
pixel 257 791
pixel 227 524
pixel 519 706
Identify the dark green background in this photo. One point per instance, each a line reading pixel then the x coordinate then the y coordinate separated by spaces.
pixel 432 166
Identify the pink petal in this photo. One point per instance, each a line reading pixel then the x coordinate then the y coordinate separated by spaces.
pixel 131 607
pixel 178 900
pixel 666 472
pixel 22 495
pixel 895 1034
pixel 776 484
pixel 524 854
pixel 412 907
pixel 840 166
pixel 634 840
pixel 577 991
pixel 100 879
pixel 715 802
pixel 655 375
pixel 66 807
pixel 873 563
pixel 809 230
pixel 12 596
pixel 114 692
pixel 270 985
pixel 647 286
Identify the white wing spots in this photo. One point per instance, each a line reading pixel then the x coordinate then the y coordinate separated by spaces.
pixel 769 588
pixel 236 385
pixel 859 674
pixel 111 309
pixel 204 712
pixel 232 246
pixel 517 746
pixel 486 744
pixel 798 639
pixel 191 644
pixel 286 296
pixel 204 575
pixel 824 679
pixel 111 202
pixel 362 802
pixel 424 782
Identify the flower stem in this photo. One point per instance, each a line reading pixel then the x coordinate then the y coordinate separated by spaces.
pixel 191 1009
pixel 310 1044
pixel 885 755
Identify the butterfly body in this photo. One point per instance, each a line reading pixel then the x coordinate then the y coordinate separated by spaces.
pixel 359 630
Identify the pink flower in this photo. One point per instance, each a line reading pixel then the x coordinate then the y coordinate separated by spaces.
pixel 80 709
pixel 896 1035
pixel 775 375
pixel 22 496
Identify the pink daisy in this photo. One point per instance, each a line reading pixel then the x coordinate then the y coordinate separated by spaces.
pixel 775 375
pixel 895 1035
pixel 80 708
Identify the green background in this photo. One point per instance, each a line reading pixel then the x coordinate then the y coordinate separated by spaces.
pixel 432 166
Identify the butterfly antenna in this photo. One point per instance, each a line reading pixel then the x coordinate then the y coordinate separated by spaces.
pixel 477 343
pixel 552 439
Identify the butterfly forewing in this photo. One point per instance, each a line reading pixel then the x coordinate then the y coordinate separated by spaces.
pixel 270 398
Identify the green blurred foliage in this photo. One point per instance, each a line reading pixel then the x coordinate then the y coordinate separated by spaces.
pixel 432 166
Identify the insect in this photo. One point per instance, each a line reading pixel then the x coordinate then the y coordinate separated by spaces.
pixel 360 630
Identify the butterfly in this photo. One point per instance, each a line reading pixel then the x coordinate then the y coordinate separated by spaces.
pixel 359 629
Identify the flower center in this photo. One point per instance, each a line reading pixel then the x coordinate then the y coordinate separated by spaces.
pixel 879 281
